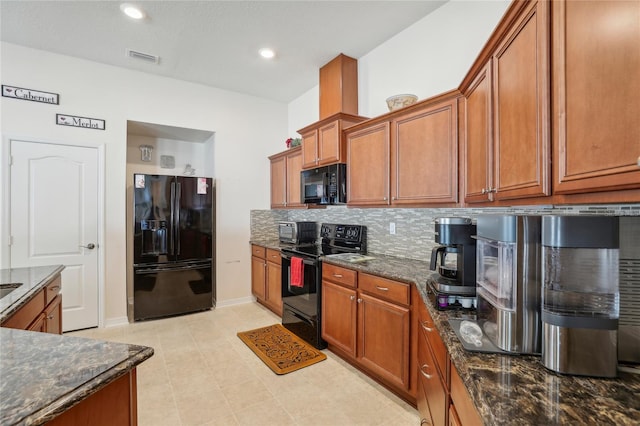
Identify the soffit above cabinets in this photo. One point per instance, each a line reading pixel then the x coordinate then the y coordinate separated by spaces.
pixel 160 131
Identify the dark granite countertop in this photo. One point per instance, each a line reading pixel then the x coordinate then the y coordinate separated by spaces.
pixel 44 375
pixel 515 389
pixel 270 243
pixel 33 279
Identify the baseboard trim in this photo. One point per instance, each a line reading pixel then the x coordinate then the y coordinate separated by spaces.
pixel 233 302
pixel 115 322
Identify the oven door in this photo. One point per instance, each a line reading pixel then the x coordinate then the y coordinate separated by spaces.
pixel 306 298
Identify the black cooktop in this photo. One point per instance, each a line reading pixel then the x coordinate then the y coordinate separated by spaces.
pixel 335 239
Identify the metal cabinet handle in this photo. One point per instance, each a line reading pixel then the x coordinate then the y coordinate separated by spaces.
pixel 352 297
pixel 337 275
pixel 384 198
pixel 55 288
pixel 382 288
pixel 484 191
pixel 89 246
pixel 359 300
pixel 426 326
pixel 422 368
pixel 424 422
pixel 50 317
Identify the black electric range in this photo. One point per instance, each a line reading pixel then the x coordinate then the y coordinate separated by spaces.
pixel 302 310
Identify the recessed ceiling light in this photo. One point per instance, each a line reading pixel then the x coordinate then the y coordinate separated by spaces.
pixel 267 53
pixel 132 11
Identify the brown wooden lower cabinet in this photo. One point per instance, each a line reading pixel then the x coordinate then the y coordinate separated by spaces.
pixel 115 404
pixel 266 277
pixel 442 397
pixel 42 313
pixel 367 320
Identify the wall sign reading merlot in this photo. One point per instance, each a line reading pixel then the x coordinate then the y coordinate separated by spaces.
pixel 30 95
pixel 75 121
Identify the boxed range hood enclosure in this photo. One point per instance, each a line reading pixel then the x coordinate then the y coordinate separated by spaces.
pixel 339 87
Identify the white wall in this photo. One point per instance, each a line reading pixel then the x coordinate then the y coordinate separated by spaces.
pixel 430 57
pixel 247 130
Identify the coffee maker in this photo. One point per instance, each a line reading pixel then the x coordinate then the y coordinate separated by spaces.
pixel 454 260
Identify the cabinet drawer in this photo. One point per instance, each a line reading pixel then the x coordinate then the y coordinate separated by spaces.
pixel 392 291
pixel 52 290
pixel 258 251
pixel 339 275
pixel 27 313
pixel 432 382
pixel 274 256
pixel 428 329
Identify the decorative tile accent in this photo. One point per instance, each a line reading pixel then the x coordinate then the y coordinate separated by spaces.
pixel 414 236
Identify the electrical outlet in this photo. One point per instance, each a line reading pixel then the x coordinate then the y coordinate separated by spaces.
pixel 392 228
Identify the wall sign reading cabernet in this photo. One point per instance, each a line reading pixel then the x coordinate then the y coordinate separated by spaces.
pixel 75 121
pixel 30 95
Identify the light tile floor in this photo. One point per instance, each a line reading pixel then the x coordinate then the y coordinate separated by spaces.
pixel 203 374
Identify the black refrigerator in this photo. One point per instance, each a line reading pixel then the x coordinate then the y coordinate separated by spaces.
pixel 173 245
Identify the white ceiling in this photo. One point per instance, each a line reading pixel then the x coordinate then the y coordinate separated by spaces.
pixel 215 43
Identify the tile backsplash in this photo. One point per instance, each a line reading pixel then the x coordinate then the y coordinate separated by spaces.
pixel 414 237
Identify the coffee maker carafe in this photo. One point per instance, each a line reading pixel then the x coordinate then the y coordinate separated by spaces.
pixel 455 258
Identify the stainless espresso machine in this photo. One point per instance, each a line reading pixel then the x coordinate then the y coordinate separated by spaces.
pixel 454 259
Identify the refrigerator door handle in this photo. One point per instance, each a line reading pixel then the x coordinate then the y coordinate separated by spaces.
pixel 177 215
pixel 173 221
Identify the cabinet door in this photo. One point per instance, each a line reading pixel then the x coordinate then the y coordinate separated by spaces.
pixel 39 324
pixel 368 166
pixel 273 296
pixel 596 95
pixel 383 339
pixel 339 317
pixel 521 115
pixel 258 275
pixel 278 182
pixel 424 156
pixel 478 157
pixel 329 149
pixel 294 167
pixel 454 420
pixel 53 316
pixel 310 149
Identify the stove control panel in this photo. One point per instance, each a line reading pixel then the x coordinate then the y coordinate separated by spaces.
pixel 352 233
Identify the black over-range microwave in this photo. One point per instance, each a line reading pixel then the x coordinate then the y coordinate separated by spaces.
pixel 324 185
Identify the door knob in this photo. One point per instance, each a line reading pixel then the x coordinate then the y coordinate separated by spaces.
pixel 89 246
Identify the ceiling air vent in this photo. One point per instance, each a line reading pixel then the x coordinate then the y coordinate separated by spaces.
pixel 143 56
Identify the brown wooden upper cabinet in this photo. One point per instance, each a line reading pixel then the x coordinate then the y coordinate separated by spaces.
pixel 596 96
pixel 406 158
pixel 507 134
pixel 322 142
pixel 285 179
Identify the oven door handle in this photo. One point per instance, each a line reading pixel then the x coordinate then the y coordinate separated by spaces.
pixel 300 317
pixel 305 261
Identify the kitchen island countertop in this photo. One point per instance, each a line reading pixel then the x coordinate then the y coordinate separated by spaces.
pixel 43 375
pixel 510 389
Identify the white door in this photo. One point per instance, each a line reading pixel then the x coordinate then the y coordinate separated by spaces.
pixel 54 221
